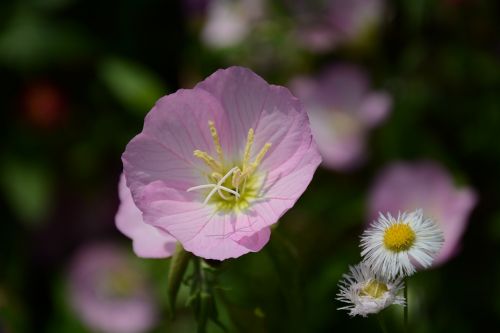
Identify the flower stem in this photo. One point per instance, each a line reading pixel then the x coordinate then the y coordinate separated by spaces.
pixel 405 309
pixel 381 323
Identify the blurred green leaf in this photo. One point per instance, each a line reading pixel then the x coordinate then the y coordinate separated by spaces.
pixel 133 85
pixel 28 189
pixel 30 40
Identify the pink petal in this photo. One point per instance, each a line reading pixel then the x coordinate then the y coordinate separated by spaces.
pixel 282 190
pixel 200 228
pixel 342 146
pixel 148 242
pixel 342 87
pixel 375 108
pixel 173 129
pixel 341 109
pixel 242 95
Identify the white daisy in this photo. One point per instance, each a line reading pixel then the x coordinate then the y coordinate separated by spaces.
pixel 366 292
pixel 392 246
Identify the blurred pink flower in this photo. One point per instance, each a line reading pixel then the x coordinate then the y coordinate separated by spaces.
pixel 108 292
pixel 427 185
pixel 215 166
pixel 342 109
pixel 230 21
pixel 148 241
pixel 326 24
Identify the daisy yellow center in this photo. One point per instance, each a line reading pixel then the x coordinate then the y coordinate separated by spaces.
pixel 374 289
pixel 231 185
pixel 399 237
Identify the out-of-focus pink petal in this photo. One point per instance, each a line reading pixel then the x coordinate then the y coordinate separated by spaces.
pixel 148 241
pixel 375 108
pixel 460 205
pixel 341 109
pixel 342 87
pixel 426 185
pixel 340 138
pixel 353 18
pixel 97 294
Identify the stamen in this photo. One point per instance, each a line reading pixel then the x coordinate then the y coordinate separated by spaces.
pixel 217 187
pixel 236 178
pixel 251 168
pixel 209 160
pixel 215 137
pixel 248 147
pixel 261 154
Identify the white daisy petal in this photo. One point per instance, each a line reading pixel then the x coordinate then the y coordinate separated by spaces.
pixel 366 292
pixel 392 246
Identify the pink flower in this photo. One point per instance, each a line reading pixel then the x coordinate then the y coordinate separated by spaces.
pixel 229 22
pixel 325 25
pixel 215 166
pixel 427 185
pixel 148 241
pixel 342 109
pixel 108 293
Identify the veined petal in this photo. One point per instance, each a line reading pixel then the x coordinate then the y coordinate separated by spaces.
pixel 148 242
pixel 200 228
pixel 242 95
pixel 173 129
pixel 283 189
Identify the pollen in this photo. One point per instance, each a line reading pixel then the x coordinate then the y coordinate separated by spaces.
pixel 230 184
pixel 374 289
pixel 399 237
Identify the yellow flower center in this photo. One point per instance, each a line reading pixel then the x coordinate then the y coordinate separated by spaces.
pixel 231 185
pixel 374 289
pixel 399 237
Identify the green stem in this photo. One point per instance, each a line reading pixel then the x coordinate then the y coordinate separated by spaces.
pixel 405 309
pixel 381 323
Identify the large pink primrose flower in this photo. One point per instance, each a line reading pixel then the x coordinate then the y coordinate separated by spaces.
pixel 408 186
pixel 215 166
pixel 148 241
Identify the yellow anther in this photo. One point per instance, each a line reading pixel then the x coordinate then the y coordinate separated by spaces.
pixel 215 137
pixel 248 147
pixel 216 176
pixel 236 178
pixel 261 155
pixel 209 160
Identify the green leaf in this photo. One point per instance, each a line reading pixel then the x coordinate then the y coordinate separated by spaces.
pixel 28 190
pixel 133 85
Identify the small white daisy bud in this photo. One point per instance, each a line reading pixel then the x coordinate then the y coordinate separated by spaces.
pixel 392 246
pixel 366 292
